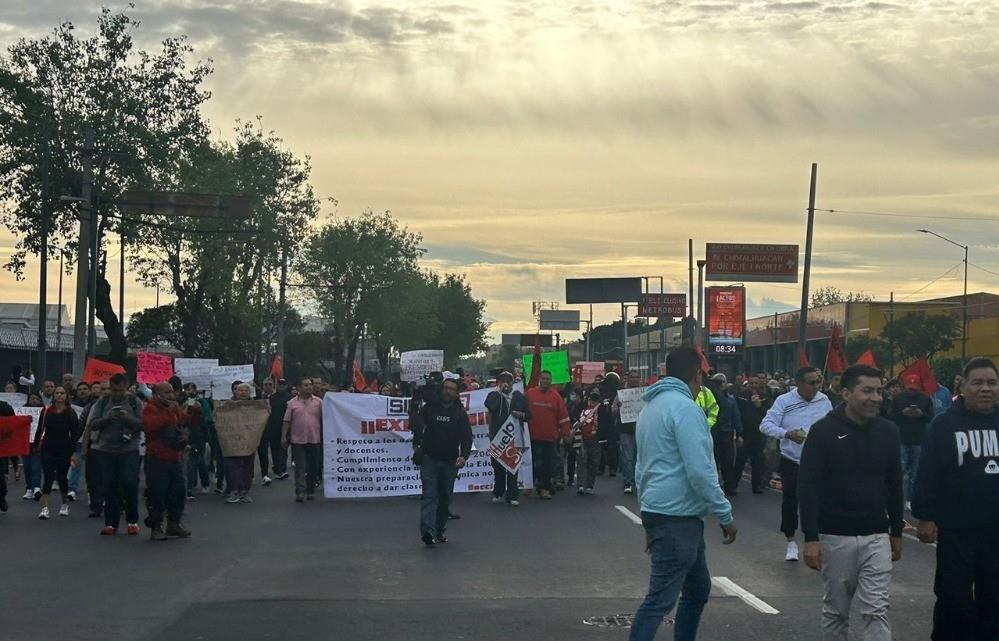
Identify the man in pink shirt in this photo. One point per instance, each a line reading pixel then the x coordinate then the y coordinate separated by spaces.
pixel 302 427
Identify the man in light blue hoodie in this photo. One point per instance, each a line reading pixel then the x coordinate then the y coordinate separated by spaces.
pixel 677 486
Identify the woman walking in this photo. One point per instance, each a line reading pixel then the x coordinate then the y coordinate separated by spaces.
pixel 239 469
pixel 58 431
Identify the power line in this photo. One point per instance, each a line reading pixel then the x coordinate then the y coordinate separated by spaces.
pixel 899 215
pixel 183 230
pixel 927 285
pixel 987 271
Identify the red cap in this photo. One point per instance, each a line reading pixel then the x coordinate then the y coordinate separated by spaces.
pixel 913 382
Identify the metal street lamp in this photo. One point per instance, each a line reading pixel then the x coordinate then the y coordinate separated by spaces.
pixel 964 322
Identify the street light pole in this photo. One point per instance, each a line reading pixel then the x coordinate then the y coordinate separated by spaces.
pixel 964 315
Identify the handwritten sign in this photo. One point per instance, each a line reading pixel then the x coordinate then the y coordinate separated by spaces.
pixel 195 370
pixel 14 400
pixel 34 413
pixel 98 371
pixel 240 424
pixel 225 375
pixel 153 367
pixel 14 436
pixel 631 403
pixel 416 364
pixel 587 370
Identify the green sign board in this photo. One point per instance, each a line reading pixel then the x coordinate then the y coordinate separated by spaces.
pixel 555 362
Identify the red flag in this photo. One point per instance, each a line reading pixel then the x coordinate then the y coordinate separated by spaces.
pixel 359 383
pixel 803 359
pixel 97 371
pixel 535 363
pixel 835 357
pixel 277 367
pixel 867 358
pixel 651 380
pixel 15 432
pixel 373 388
pixel 705 367
pixel 921 369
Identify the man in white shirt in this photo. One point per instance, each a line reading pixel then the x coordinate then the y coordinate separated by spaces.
pixel 789 420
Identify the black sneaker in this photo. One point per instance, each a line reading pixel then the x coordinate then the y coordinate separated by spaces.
pixel 440 538
pixel 428 539
pixel 3 503
pixel 282 476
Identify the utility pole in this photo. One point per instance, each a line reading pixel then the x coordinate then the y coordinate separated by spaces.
pixel 964 319
pixel 43 275
pixel 688 328
pixel 891 342
pixel 803 313
pixel 701 327
pixel 776 346
pixel 121 278
pixel 94 259
pixel 62 354
pixel 83 257
pixel 282 284
pixel 624 335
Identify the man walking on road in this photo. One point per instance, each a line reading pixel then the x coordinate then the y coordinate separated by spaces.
pixel 789 420
pixel 503 403
pixel 271 453
pixel 302 427
pixel 626 436
pixel 549 423
pixel 677 485
pixel 956 499
pixel 850 488
pixel 912 411
pixel 163 423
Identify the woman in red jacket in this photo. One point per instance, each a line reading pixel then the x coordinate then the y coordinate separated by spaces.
pixel 58 430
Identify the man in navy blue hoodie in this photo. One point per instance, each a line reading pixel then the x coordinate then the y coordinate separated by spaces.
pixel 956 499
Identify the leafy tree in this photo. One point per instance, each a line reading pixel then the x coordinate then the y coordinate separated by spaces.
pixel 155 326
pixel 461 329
pixel 830 295
pixel 143 110
pixel 405 318
pixel 945 369
pixel 921 335
pixel 505 358
pixel 308 354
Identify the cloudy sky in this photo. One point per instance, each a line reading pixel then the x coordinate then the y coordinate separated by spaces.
pixel 534 141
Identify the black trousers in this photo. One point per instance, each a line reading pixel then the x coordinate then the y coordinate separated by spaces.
pixel 967 587
pixel 789 506
pixel 270 450
pixel 55 469
pixel 752 452
pixel 545 461
pixel 725 459
pixel 92 473
pixel 504 483
pixel 165 491
pixel 118 476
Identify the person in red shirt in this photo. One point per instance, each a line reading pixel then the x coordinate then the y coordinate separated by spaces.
pixel 549 423
pixel 163 423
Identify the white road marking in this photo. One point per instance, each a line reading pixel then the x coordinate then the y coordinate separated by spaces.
pixel 916 539
pixel 730 588
pixel 628 513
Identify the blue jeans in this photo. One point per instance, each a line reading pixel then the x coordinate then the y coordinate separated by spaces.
pixel 910 465
pixel 32 472
pixel 627 462
pixel 75 473
pixel 438 485
pixel 679 570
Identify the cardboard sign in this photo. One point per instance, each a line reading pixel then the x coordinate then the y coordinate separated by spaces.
pixel 34 413
pixel 195 370
pixel 13 399
pixel 153 368
pixel 588 370
pixel 225 375
pixel 508 446
pixel 555 362
pixel 416 364
pixel 100 371
pixel 14 436
pixel 240 424
pixel 631 403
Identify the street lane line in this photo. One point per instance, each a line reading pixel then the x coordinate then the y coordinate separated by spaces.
pixel 628 513
pixel 916 539
pixel 730 588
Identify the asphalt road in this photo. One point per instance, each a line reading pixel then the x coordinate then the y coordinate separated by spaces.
pixel 357 571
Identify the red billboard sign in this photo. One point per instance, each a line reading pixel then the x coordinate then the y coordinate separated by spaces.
pixel 726 326
pixel 736 262
pixel 662 305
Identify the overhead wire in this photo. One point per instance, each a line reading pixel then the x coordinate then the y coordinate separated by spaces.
pixel 856 212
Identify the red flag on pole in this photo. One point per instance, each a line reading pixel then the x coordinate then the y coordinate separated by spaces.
pixel 535 363
pixel 15 432
pixel 835 357
pixel 921 369
pixel 803 359
pixel 277 367
pixel 705 367
pixel 359 383
pixel 867 358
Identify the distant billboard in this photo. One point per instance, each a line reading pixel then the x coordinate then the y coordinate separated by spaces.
pixel 735 262
pixel 602 290
pixel 726 320
pixel 662 305
pixel 527 340
pixel 560 319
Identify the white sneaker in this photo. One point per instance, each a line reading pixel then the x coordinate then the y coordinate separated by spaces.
pixel 28 495
pixel 267 480
pixel 206 490
pixel 627 489
pixel 792 551
pixel 44 514
pixel 71 495
pixel 38 493
pixel 64 510
pixel 497 499
pixel 908 506
pixel 589 490
pixel 515 503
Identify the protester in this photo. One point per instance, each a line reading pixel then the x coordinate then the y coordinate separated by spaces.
pixel 48 389
pixel 956 499
pixel 55 439
pixel 502 403
pixel 586 442
pixel 442 443
pixel 164 424
pixel 754 403
pixel 850 488
pixel 549 424
pixel 5 410
pixel 198 415
pixel 626 436
pixel 789 420
pixel 239 469
pixel 912 411
pixel 726 433
pixel 32 463
pixel 301 427
pixel 112 436
pixel 677 486
pixel 608 425
pixel 272 452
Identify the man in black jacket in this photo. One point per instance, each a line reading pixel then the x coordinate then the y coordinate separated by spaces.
pixel 850 493
pixel 956 499
pixel 753 406
pixel 912 411
pixel 442 441
pixel 502 403
pixel 270 451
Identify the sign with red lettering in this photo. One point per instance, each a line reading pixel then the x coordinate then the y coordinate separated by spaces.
pixel 662 305
pixel 507 447
pixel 738 262
pixel 14 435
pixel 726 319
pixel 153 367
pixel 100 371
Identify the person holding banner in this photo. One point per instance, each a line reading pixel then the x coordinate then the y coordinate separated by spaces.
pixel 5 410
pixel 58 430
pixel 442 442
pixel 239 469
pixel 503 403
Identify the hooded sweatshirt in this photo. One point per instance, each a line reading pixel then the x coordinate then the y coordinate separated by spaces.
pixel 675 467
pixel 957 485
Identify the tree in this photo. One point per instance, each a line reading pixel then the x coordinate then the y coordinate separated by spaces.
pixel 143 110
pixel 921 335
pixel 505 358
pixel 308 354
pixel 946 369
pixel 830 295
pixel 461 329
pixel 155 326
pixel 405 318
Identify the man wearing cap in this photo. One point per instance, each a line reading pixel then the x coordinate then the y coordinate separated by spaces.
pixel 912 411
pixel 503 403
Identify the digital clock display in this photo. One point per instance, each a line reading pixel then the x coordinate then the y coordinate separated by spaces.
pixel 726 349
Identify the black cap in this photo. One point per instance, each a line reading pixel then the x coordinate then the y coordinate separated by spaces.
pixel 504 374
pixel 282 381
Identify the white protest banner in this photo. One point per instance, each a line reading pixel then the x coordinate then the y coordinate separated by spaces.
pixel 195 370
pixel 240 424
pixel 367 447
pixel 510 444
pixel 631 403
pixel 225 375
pixel 35 413
pixel 14 400
pixel 418 363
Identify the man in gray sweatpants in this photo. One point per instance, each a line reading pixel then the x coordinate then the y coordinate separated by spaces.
pixel 850 494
